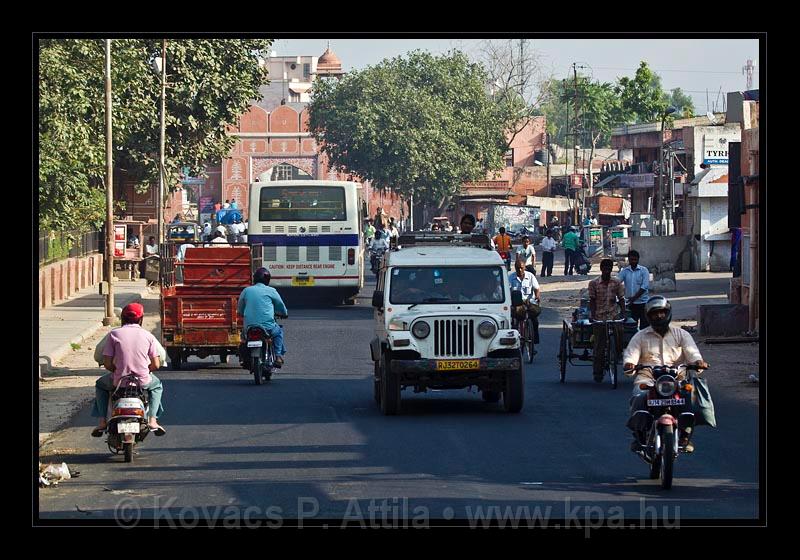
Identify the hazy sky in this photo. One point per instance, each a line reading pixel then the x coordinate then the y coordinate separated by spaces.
pixel 694 65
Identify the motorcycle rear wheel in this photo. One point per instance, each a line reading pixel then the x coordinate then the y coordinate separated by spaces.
pixel 128 450
pixel 255 369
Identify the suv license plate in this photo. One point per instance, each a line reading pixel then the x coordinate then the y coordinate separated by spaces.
pixel 254 344
pixel 665 402
pixel 446 365
pixel 128 428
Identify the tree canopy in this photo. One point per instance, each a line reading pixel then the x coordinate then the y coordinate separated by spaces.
pixel 421 123
pixel 210 83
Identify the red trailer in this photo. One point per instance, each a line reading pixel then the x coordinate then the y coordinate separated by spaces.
pixel 199 298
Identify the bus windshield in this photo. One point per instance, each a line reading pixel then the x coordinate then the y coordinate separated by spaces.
pixel 295 203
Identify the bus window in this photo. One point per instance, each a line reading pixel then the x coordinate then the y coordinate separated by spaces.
pixel 302 204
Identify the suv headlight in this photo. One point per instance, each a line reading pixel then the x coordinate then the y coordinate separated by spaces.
pixel 421 329
pixel 398 325
pixel 487 329
pixel 666 386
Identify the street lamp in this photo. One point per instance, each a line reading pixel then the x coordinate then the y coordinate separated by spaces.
pixel 160 66
pixel 668 111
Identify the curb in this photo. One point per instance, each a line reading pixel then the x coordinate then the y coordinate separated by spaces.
pixel 46 361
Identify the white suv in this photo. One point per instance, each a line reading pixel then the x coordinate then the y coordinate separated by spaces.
pixel 443 321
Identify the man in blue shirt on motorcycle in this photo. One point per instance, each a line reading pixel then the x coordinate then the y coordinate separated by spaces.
pixel 259 304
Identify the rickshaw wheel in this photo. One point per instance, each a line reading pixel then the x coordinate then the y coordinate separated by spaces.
pixel 562 354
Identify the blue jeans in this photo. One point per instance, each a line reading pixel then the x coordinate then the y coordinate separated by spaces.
pixel 276 333
pixel 104 386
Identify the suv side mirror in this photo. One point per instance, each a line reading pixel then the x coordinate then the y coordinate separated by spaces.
pixel 377 299
pixel 516 297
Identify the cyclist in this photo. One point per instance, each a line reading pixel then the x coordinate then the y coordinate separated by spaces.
pixel 604 295
pixel 526 282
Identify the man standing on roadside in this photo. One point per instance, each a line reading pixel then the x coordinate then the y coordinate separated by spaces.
pixel 637 284
pixel 570 244
pixel 548 248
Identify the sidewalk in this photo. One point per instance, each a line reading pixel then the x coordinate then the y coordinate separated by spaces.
pixel 78 318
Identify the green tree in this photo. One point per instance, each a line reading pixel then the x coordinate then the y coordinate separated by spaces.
pixel 422 124
pixel 642 96
pixel 601 111
pixel 681 101
pixel 210 83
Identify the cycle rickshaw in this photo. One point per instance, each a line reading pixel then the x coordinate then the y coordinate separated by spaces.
pixel 577 335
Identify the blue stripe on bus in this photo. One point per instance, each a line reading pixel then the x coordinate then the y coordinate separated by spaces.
pixel 333 240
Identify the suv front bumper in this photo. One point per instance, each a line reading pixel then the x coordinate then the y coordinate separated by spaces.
pixel 430 366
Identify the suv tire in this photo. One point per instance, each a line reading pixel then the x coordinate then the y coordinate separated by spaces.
pixel 390 387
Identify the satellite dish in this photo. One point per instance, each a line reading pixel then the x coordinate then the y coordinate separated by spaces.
pixel 711 118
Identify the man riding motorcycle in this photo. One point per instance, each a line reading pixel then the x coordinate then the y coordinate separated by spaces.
pixel 129 350
pixel 658 345
pixel 259 304
pixel 502 242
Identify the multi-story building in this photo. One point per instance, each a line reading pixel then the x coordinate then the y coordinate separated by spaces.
pixel 274 133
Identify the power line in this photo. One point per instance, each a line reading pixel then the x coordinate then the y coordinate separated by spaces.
pixel 664 70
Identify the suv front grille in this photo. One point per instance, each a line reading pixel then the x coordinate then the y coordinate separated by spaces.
pixel 454 337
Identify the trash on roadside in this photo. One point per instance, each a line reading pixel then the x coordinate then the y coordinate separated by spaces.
pixel 51 474
pixel 753 378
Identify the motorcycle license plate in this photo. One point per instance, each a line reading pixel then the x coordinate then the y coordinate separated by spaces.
pixel 665 402
pixel 254 344
pixel 128 428
pixel 304 281
pixel 447 365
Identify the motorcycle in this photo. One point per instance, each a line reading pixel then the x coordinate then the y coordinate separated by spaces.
pixel 375 256
pixel 261 354
pixel 668 414
pixel 127 412
pixel 582 263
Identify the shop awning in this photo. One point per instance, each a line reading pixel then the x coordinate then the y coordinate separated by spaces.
pixel 550 204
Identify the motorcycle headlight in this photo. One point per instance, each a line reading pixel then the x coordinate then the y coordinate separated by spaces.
pixel 487 329
pixel 398 325
pixel 421 329
pixel 666 386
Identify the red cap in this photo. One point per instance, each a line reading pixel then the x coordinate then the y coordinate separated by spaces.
pixel 133 311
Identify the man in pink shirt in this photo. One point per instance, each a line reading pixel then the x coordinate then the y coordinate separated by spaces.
pixel 130 350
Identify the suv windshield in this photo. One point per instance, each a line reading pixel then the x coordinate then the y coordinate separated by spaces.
pixel 419 285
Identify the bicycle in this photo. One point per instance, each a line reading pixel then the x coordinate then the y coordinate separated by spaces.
pixel 526 335
pixel 611 359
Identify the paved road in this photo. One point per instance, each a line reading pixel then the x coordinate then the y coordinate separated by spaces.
pixel 313 444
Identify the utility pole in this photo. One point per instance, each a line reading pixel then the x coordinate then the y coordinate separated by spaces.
pixel 109 303
pixel 547 157
pixel 161 144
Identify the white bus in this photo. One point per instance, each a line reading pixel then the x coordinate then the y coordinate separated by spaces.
pixel 311 233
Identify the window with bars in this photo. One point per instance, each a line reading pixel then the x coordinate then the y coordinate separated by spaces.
pixel 510 158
